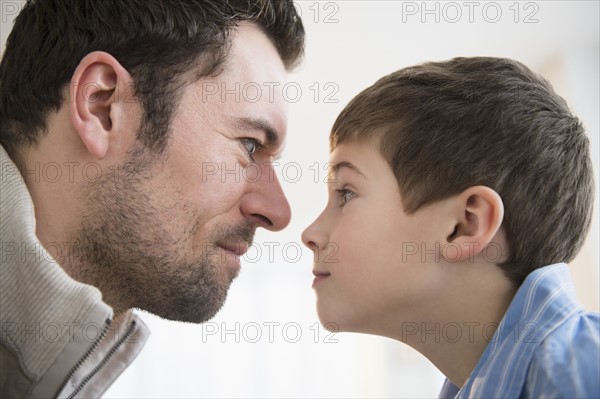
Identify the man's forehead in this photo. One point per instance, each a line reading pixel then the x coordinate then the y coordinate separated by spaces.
pixel 253 57
pixel 248 92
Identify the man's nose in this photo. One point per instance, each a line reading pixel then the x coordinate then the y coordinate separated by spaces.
pixel 265 204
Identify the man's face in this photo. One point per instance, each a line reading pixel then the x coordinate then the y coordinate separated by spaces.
pixel 372 260
pixel 169 235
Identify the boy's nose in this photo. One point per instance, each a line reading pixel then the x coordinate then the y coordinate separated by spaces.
pixel 314 236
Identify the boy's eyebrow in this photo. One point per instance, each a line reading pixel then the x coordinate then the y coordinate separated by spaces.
pixel 345 164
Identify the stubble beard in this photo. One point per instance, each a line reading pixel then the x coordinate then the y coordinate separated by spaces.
pixel 130 248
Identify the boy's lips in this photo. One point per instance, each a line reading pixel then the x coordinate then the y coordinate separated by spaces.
pixel 319 276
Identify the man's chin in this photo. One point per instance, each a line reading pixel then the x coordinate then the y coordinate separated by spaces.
pixel 191 314
pixel 194 305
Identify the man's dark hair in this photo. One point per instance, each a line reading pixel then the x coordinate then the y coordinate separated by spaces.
pixel 446 126
pixel 160 43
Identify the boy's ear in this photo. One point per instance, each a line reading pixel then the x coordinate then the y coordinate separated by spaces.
pixel 478 214
pixel 99 112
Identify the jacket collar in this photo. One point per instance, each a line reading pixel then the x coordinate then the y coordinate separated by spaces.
pixel 48 319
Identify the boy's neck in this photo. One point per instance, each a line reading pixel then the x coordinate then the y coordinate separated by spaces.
pixel 456 330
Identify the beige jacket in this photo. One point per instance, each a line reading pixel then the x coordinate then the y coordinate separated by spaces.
pixel 57 337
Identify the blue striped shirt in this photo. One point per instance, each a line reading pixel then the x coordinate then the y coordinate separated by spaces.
pixel 546 346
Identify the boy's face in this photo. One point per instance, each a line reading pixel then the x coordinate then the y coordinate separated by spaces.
pixel 371 259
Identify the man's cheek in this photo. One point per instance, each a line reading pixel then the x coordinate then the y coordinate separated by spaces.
pixel 229 173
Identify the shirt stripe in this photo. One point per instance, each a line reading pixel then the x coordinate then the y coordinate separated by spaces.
pixel 545 346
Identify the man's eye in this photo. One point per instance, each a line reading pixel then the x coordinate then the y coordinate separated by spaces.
pixel 251 146
pixel 345 196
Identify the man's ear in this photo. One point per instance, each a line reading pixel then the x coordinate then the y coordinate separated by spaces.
pixel 98 110
pixel 478 214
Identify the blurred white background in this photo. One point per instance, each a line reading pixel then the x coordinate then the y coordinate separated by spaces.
pixel 266 341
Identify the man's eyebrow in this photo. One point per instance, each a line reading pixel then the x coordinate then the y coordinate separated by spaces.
pixel 249 123
pixel 345 164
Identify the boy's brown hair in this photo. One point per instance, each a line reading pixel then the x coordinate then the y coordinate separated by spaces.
pixel 446 126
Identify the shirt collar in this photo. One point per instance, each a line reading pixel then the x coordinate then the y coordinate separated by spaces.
pixel 545 299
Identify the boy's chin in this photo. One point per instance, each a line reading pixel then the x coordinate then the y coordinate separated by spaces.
pixel 327 319
pixel 334 322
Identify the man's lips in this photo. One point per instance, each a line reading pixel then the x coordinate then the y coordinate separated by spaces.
pixel 238 249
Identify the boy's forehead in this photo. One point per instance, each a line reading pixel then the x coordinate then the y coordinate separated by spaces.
pixel 362 158
pixel 356 150
pixel 346 152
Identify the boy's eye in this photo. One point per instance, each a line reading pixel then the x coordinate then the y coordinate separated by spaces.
pixel 251 146
pixel 345 195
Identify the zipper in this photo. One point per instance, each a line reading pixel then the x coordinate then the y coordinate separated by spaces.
pixel 87 354
pixel 130 330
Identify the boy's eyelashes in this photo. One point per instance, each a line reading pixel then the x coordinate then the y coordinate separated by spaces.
pixel 344 196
